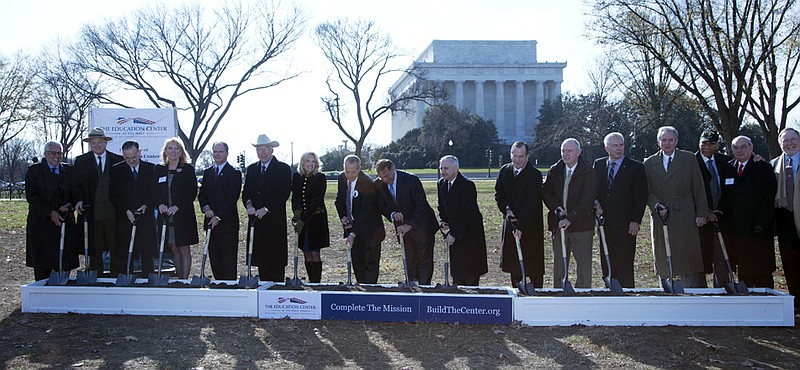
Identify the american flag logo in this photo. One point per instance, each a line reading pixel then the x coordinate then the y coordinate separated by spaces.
pixel 135 120
pixel 292 300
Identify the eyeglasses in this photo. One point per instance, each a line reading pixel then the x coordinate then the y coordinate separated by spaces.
pixel 53 152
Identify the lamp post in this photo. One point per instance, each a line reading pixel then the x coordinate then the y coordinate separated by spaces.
pixel 489 162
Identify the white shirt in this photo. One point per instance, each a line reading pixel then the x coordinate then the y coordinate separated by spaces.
pixel 666 159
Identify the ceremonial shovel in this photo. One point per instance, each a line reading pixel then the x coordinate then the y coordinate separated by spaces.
pixel 446 264
pixel 407 284
pixel 295 281
pixel 203 280
pixel 349 261
pixel 156 279
pixel 565 284
pixel 249 281
pixel 129 279
pixel 611 283
pixel 86 277
pixel 60 277
pixel 670 286
pixel 732 287
pixel 524 287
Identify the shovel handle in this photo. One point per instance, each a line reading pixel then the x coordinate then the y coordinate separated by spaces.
pixel 666 241
pixel 133 238
pixel 250 242
pixel 208 240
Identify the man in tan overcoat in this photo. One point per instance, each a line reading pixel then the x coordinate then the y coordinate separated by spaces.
pixel 676 191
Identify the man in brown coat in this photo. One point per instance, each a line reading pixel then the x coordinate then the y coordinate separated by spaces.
pixel 676 192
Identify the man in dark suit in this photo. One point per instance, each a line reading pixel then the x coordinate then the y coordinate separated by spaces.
pixel 49 194
pixel 621 199
pixel 91 188
pixel 569 192
pixel 717 173
pixel 131 185
pixel 218 196
pixel 787 201
pixel 403 202
pixel 267 186
pixel 357 206
pixel 748 211
pixel 462 222
pixel 518 194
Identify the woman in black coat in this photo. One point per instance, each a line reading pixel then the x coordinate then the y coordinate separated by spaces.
pixel 310 216
pixel 174 192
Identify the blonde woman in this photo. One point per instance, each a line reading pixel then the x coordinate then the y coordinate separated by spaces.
pixel 310 216
pixel 174 192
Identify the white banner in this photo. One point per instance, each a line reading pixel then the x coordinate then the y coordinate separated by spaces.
pixel 149 127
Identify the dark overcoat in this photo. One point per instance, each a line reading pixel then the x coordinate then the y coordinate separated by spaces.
pixel 221 194
pixel 523 195
pixel 308 199
pixel 46 192
pixel 86 189
pixel 458 207
pixel 580 196
pixel 128 194
pixel 271 190
pixel 707 232
pixel 367 222
pixel 184 192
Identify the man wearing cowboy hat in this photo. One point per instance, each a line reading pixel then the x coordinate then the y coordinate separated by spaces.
pixel 266 189
pixel 91 187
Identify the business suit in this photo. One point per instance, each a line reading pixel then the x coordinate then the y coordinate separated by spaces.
pixel 581 194
pixel 749 209
pixel 45 192
pixel 680 190
pixel 623 201
pixel 367 226
pixel 219 192
pixel 270 240
pixel 458 207
pixel 182 193
pixel 522 194
pixel 417 213
pixel 713 260
pixel 91 186
pixel 129 194
pixel 787 221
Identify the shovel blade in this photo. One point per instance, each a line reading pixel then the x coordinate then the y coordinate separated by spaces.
pixel 58 278
pixel 153 279
pixel 200 281
pixel 526 288
pixel 730 289
pixel 125 280
pixel 294 282
pixel 86 277
pixel 566 286
pixel 677 287
pixel 741 288
pixel 248 282
pixel 616 287
pixel 667 285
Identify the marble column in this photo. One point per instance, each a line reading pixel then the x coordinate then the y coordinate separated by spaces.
pixel 556 89
pixel 520 116
pixel 460 94
pixel 479 97
pixel 539 85
pixel 500 110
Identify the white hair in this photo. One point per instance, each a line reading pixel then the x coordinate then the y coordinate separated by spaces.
pixel 607 139
pixel 571 140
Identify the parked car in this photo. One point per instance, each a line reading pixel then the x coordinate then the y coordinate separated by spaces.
pixel 332 175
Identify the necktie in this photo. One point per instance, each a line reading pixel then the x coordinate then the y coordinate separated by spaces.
pixel 739 172
pixel 669 162
pixel 263 170
pixel 611 173
pixel 789 185
pixel 349 198
pixel 566 188
pixel 54 170
pixel 391 190
pixel 216 172
pixel 516 172
pixel 714 185
pixel 99 164
pixel 449 185
pixel 135 175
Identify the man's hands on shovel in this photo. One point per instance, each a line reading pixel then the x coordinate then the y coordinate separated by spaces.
pixel 563 223
pixel 444 228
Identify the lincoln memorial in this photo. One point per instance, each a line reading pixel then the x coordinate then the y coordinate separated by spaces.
pixel 498 80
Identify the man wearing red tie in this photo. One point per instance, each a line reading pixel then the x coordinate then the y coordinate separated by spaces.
pixel 787 202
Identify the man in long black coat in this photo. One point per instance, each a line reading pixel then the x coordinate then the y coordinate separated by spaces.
pixel 219 194
pixel 716 185
pixel 622 197
pixel 48 191
pixel 403 202
pixel 518 194
pixel 747 215
pixel 362 223
pixel 131 189
pixel 463 222
pixel 267 186
pixel 787 208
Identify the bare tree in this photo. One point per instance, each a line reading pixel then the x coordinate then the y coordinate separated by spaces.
pixel 193 59
pixel 362 58
pixel 17 88
pixel 714 48
pixel 14 158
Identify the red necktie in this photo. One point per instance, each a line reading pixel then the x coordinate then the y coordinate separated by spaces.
pixel 741 168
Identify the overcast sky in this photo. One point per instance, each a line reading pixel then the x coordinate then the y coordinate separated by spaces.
pixel 292 112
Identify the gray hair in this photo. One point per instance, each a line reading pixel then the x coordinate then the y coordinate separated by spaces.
pixel 352 158
pixel 788 129
pixel 224 145
pixel 451 158
pixel 51 143
pixel 664 129
pixel 745 138
pixel 572 140
pixel 607 139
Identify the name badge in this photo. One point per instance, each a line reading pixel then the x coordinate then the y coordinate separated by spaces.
pixel 162 179
pixel 728 181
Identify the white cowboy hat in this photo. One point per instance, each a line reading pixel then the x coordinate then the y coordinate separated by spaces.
pixel 264 140
pixel 97 133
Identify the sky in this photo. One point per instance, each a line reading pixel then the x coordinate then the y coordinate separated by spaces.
pixel 292 112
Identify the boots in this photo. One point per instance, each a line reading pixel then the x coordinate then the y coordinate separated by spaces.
pixel 314 270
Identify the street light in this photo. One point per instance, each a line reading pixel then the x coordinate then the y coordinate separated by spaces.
pixel 489 162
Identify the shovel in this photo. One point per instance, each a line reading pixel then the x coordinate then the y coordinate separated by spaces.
pixel 86 277
pixel 295 281
pixel 60 277
pixel 611 283
pixel 731 287
pixel 566 286
pixel 670 285
pixel 407 284
pixel 349 261
pixel 524 286
pixel 129 279
pixel 203 281
pixel 249 281
pixel 446 284
pixel 156 279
